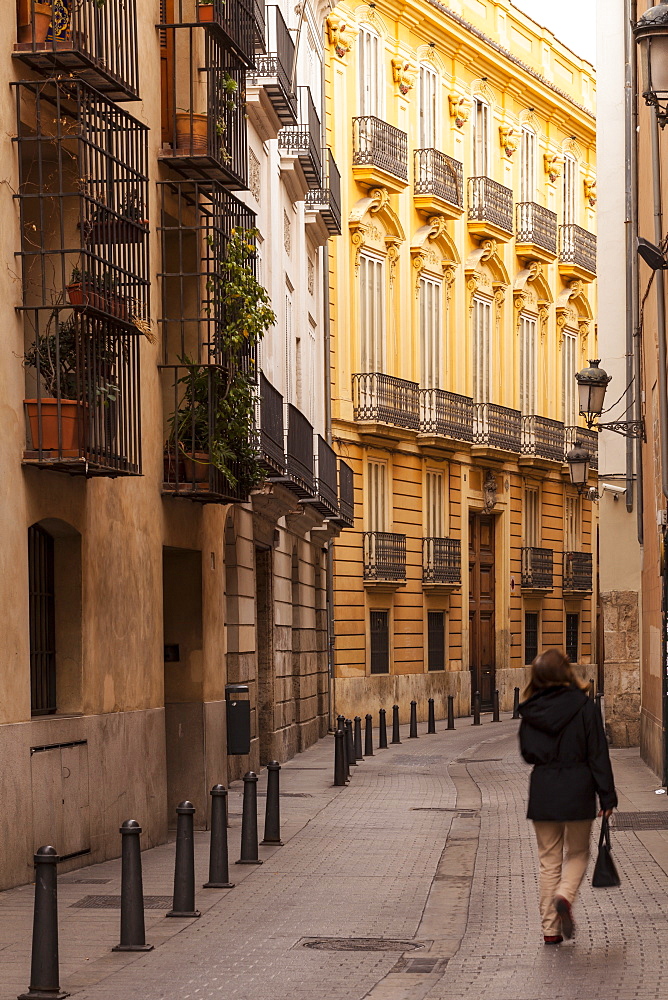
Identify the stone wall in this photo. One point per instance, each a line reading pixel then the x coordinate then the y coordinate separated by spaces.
pixel 621 624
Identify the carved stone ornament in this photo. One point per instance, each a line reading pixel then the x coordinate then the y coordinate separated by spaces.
pixel 489 492
pixel 590 191
pixel 460 109
pixel 553 165
pixel 509 138
pixel 341 33
pixel 404 74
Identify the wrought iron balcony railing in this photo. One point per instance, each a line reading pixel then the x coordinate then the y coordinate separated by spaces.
pixel 490 202
pixel 375 143
pixel 384 557
pixel 536 225
pixel 270 425
pixel 346 496
pixel 589 439
pixel 234 19
pixel 299 454
pixel 438 175
pixel 327 199
pixel 537 568
pixel 326 500
pixel 577 572
pixel 543 437
pixel 497 426
pixel 305 140
pixel 94 42
pixel 577 247
pixel 441 561
pixel 386 400
pixel 274 69
pixel 446 414
pixel 259 25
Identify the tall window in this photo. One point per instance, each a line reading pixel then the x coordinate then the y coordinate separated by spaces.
pixel 434 505
pixel 531 516
pixel 42 620
pixel 480 139
pixel 290 350
pixel 568 384
pixel 528 364
pixel 370 73
pixel 377 509
pixel 428 106
pixel 530 636
pixel 571 523
pixel 379 629
pixel 436 640
pixel 372 313
pixel 528 165
pixel 572 636
pixel 482 350
pixel 430 332
pixel 570 204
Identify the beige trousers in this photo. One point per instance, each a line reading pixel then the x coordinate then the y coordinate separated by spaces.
pixel 560 876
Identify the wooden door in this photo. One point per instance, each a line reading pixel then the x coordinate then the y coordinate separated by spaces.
pixel 481 607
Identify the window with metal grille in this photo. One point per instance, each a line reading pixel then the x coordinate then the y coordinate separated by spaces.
pixel 42 621
pixel 379 622
pixel 436 640
pixel 530 636
pixel 572 636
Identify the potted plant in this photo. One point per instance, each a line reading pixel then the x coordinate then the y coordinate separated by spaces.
pixel 205 10
pixel 106 227
pixel 86 290
pixel 53 357
pixel 34 19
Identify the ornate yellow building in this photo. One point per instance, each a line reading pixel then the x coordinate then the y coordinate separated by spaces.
pixel 463 302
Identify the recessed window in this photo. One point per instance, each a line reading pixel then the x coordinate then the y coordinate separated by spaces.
pixel 428 104
pixel 530 636
pixel 482 350
pixel 379 624
pixel 572 637
pixel 430 332
pixel 436 640
pixel 372 313
pixel 528 364
pixel 42 612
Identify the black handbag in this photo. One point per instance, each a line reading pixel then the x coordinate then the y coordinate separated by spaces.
pixel 605 874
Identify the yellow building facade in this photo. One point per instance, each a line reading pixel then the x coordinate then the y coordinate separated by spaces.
pixel 463 302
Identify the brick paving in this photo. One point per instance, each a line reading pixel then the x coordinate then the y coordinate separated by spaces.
pixel 428 845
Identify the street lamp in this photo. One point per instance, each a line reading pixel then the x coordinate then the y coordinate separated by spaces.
pixel 578 459
pixel 651 34
pixel 592 383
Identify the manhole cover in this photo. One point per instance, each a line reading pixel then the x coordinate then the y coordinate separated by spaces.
pixel 361 944
pixel 83 881
pixel 114 903
pixel 640 821
pixel 423 965
pixel 410 759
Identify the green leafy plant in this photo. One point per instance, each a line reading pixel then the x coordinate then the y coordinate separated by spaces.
pixel 61 361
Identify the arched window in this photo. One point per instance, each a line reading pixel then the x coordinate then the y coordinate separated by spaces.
pixel 370 72
pixel 428 106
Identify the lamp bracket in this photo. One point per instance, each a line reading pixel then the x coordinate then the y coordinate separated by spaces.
pixel 627 428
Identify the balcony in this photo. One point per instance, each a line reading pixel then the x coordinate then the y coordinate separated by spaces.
pixel 271 100
pixel 542 438
pixel 490 209
pixel 346 517
pixel 577 253
pixel 497 428
pixel 203 105
pixel 441 564
pixel 438 183
pixel 383 399
pixel 235 20
pixel 380 154
pixel 446 415
pixel 303 142
pixel 94 42
pixel 270 426
pixel 536 232
pixel 537 569
pixel 384 560
pixel 589 439
pixel 325 201
pixel 300 470
pixel 259 26
pixel 326 499
pixel 577 573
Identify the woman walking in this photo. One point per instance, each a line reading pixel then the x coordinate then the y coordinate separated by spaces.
pixel 562 735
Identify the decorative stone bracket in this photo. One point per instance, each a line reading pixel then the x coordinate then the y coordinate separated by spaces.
pixel 460 109
pixel 509 138
pixel 553 163
pixel 341 33
pixel 404 74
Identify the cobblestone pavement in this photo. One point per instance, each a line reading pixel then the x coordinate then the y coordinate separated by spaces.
pixel 427 848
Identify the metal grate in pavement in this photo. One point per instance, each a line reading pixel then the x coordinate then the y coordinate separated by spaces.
pixel 361 944
pixel 83 881
pixel 640 820
pixel 476 760
pixel 425 966
pixel 410 759
pixel 114 903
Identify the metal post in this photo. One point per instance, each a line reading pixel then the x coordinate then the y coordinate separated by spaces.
pixel 44 974
pixel 133 931
pixel 495 707
pixel 451 711
pixel 340 777
pixel 431 722
pixel 249 846
pixel 396 738
pixel 272 814
pixel 350 744
pixel 597 700
pixel 368 736
pixel 341 724
pixel 183 903
pixel 412 731
pixel 358 738
pixel 476 708
pixel 591 688
pixel 219 874
pixel 382 730
pixel 516 704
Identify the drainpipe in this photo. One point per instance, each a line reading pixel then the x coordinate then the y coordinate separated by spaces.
pixel 633 398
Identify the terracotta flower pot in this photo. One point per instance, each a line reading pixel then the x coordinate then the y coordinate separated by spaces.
pixel 196 467
pixel 33 23
pixel 191 134
pixel 69 424
pixel 205 12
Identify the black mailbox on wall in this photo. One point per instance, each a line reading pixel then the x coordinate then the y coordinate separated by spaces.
pixel 237 698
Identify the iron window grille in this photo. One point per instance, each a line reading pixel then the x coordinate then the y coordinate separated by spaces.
pixel 589 439
pixel 537 568
pixel 577 247
pixel 490 202
pixel 378 144
pixel 573 636
pixel 536 225
pixel 446 414
pixel 96 42
pixel 438 175
pixel 274 70
pixel 304 140
pixel 497 426
pixel 386 399
pixel 42 621
pixel 543 437
pixel 270 424
pixel 384 556
pixel 577 572
pixel 326 500
pixel 441 560
pixel 204 133
pixel 327 199
pixel 436 640
pixel 346 516
pixel 530 636
pixel 379 636
pixel 232 20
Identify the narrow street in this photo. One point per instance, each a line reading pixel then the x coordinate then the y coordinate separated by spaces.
pixel 427 850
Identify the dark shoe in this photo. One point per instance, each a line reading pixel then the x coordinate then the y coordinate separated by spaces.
pixel 563 908
pixel 552 939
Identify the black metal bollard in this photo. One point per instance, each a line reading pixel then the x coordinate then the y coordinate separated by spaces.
pixel 591 687
pixel 219 873
pixel 431 721
pixel 358 738
pixel 350 744
pixel 495 707
pixel 133 932
pixel 476 708
pixel 516 703
pixel 183 903
pixel 341 724
pixel 249 847
pixel 44 973
pixel 340 776
pixel 382 729
pixel 272 813
pixel 597 700
pixel 451 711
pixel 368 736
pixel 412 730
pixel 396 738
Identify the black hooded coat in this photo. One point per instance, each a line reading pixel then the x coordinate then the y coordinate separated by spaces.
pixel 562 735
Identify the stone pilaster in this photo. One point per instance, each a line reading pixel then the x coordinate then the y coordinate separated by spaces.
pixel 621 623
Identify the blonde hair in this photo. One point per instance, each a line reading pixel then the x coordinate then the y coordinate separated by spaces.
pixel 552 669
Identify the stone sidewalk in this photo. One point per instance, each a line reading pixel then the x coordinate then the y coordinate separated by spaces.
pixel 427 850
